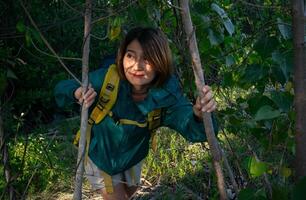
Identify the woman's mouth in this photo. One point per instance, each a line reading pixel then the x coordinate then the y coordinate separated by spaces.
pixel 137 75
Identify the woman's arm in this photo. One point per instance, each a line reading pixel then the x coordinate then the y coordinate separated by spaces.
pixel 187 119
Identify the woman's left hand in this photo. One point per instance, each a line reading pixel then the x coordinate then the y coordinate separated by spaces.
pixel 206 104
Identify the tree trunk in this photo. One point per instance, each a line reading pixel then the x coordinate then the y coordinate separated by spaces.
pixel 84 115
pixel 199 79
pixel 5 161
pixel 298 21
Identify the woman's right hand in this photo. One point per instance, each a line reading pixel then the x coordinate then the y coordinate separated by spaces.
pixel 88 98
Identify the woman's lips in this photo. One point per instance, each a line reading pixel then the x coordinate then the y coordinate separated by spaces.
pixel 137 75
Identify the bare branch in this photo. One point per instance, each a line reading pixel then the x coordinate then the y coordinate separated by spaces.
pixel 113 13
pixel 47 43
pixel 173 6
pixel 47 54
pixel 200 81
pixel 99 38
pixel 72 8
pixel 77 195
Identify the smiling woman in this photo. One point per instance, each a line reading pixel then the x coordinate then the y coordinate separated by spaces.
pixel 137 70
pixel 120 141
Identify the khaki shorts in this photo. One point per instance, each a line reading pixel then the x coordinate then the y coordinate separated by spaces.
pixel 131 177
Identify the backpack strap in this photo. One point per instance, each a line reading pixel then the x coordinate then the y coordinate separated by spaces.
pixel 107 98
pixel 154 120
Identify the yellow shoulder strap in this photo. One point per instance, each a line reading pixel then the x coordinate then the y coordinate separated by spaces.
pixel 154 119
pixel 108 95
pixel 107 98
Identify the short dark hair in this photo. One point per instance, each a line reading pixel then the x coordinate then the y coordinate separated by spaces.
pixel 155 49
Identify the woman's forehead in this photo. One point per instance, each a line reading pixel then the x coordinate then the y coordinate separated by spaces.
pixel 134 47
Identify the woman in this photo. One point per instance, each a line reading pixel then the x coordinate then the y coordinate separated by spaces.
pixel 147 83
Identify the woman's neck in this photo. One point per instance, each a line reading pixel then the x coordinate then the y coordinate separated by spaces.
pixel 140 89
pixel 139 94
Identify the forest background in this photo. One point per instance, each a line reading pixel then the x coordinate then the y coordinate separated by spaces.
pixel 246 47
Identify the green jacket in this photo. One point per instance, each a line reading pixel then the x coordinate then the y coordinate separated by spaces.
pixel 114 147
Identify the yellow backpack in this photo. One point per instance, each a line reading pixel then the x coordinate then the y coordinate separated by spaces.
pixel 107 98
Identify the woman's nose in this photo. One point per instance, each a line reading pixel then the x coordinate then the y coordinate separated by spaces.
pixel 139 65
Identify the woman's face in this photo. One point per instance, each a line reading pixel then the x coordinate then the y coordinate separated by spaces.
pixel 138 71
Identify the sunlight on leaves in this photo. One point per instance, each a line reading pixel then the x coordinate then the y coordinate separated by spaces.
pixel 266 112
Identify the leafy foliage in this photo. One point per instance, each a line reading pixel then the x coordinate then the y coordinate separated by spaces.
pixel 246 52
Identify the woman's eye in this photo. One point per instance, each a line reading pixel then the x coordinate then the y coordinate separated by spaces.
pixel 128 55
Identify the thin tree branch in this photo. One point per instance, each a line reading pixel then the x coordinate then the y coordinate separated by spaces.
pixel 170 3
pixel 47 43
pixel 200 81
pixel 113 13
pixel 230 173
pixel 99 38
pixel 72 8
pixel 47 54
pixel 77 195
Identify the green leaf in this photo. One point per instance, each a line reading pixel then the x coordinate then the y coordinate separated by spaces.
pixel 285 63
pixel 266 45
pixel 36 35
pixel 227 79
pixel 20 26
pixel 257 101
pixel 283 100
pixel 284 29
pixel 213 38
pixel 285 172
pixel 11 74
pixel 266 112
pixel 257 168
pixel 115 28
pixel 206 20
pixel 229 60
pixel 253 73
pixel 226 20
pixel 28 38
pixel 299 190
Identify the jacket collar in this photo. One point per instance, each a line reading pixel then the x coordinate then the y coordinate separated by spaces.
pixel 161 97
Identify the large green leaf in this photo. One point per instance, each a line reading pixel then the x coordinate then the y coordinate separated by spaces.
pixel 266 112
pixel 20 26
pixel 284 28
pixel 11 74
pixel 257 168
pixel 285 63
pixel 229 60
pixel 253 73
pixel 115 28
pixel 225 19
pixel 214 38
pixel 257 101
pixel 283 100
pixel 266 45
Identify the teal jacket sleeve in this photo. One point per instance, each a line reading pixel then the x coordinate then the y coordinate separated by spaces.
pixel 180 118
pixel 64 90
